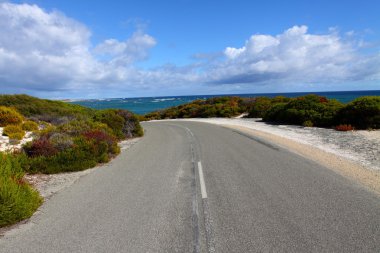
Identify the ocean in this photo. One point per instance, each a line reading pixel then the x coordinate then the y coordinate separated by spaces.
pixel 145 105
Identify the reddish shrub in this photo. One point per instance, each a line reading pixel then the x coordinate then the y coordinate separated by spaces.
pixel 344 128
pixel 100 136
pixel 41 147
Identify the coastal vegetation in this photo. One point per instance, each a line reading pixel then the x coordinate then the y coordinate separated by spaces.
pixel 310 110
pixel 14 132
pixel 212 107
pixel 17 198
pixel 66 138
pixel 362 113
pixel 9 116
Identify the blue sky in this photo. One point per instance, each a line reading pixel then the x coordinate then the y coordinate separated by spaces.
pixel 179 47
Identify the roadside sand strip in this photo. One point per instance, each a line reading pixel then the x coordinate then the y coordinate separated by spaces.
pixel 369 178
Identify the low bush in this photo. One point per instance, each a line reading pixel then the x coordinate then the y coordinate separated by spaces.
pixel 18 200
pixel 132 127
pixel 14 132
pixel 40 147
pixel 29 126
pixel 123 123
pixel 259 106
pixel 61 141
pixel 344 127
pixel 307 123
pixel 78 144
pixel 85 153
pixel 275 113
pixel 78 127
pixel 212 107
pixel 362 113
pixel 316 109
pixel 9 116
pixel 100 137
pixel 113 120
pixel 45 110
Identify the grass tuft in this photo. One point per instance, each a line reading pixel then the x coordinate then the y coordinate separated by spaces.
pixel 18 200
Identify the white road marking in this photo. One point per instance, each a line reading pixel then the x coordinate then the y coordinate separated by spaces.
pixel 202 181
pixel 191 133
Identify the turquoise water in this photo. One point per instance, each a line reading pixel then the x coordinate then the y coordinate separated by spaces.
pixel 148 104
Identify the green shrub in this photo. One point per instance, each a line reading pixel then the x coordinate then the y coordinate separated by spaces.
pixel 29 126
pixel 9 116
pixel 212 107
pixel 141 118
pixel 84 154
pixel 113 120
pixel 61 141
pixel 131 127
pixel 14 132
pixel 318 110
pixel 307 123
pixel 61 153
pixel 275 113
pixel 100 137
pixel 123 123
pixel 260 107
pixel 72 138
pixel 18 200
pixel 362 113
pixel 67 161
pixel 45 110
pixel 77 127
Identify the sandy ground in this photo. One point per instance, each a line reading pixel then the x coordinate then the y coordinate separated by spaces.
pixel 355 154
pixel 7 145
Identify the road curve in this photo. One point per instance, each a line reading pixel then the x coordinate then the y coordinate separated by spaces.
pixel 196 187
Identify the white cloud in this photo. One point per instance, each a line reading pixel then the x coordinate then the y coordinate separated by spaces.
pixel 45 52
pixel 40 50
pixel 126 52
pixel 294 56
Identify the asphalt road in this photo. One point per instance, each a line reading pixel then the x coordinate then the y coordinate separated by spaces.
pixel 194 187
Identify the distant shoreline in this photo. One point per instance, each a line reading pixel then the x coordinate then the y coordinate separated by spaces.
pixel 143 105
pixel 219 95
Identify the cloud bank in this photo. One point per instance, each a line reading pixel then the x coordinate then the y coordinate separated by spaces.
pixel 49 53
pixel 294 55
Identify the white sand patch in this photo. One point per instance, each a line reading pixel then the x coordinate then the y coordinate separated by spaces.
pixel 47 185
pixel 126 144
pixel 241 115
pixel 7 145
